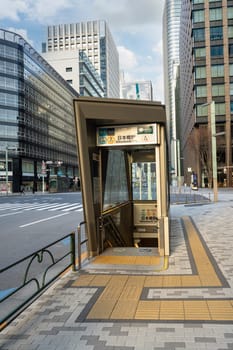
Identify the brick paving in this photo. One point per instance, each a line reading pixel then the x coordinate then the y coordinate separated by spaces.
pixel 61 317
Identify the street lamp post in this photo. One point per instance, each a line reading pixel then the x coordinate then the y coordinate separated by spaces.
pixel 6 167
pixel 213 147
pixel 214 151
pixel 6 159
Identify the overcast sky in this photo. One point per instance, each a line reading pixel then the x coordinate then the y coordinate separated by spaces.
pixel 136 26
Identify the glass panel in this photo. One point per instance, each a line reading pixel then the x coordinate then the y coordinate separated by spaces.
pixel 230 12
pixel 218 90
pixel 200 72
pixel 217 71
pixel 144 181
pixel 198 16
pixel 215 14
pixel 199 34
pixel 200 52
pixel 216 50
pixel 201 91
pixel 116 187
pixel 216 33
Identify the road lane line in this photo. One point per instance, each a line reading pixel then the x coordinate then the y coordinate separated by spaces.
pixel 46 219
pixel 9 214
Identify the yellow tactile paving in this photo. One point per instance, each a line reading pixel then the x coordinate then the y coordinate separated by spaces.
pixel 220 309
pixel 196 310
pixel 120 298
pixel 190 281
pixel 154 281
pixel 172 281
pixel 148 310
pixel 127 260
pixel 124 309
pixel 102 310
pixel 171 310
pixel 83 280
pixel 100 280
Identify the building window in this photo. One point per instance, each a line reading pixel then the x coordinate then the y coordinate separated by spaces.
pixel 201 111
pixel 216 33
pixel 200 72
pixel 218 90
pixel 198 16
pixel 231 106
pixel 198 1
pixel 220 108
pixel 199 34
pixel 216 50
pixel 231 69
pixel 230 12
pixel 230 31
pixel 216 14
pixel 230 49
pixel 201 91
pixel 217 71
pixel 231 89
pixel 200 52
pixel 70 81
pixel 68 69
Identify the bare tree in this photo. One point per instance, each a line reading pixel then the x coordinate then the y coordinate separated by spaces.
pixel 199 141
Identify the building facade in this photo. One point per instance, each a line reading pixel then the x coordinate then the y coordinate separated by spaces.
pixel 76 68
pixel 141 90
pixel 94 39
pixel 171 32
pixel 206 71
pixel 37 136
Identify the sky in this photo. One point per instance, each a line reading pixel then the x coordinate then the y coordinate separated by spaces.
pixel 136 27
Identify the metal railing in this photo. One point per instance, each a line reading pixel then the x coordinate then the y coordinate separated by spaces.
pixel 40 269
pixel 80 243
pixel 185 195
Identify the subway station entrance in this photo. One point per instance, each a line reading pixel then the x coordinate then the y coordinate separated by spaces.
pixel 123 171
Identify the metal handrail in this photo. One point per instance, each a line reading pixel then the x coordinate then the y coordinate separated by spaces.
pixel 37 256
pixel 80 243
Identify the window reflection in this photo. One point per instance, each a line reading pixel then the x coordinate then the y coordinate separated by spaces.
pixel 144 181
pixel 116 188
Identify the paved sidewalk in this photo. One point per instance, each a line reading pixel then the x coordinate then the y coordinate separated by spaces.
pixel 188 306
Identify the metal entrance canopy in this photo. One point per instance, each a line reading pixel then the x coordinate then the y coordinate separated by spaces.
pixel 137 129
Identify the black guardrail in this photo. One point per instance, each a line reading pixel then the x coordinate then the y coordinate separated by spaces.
pixel 80 243
pixel 32 275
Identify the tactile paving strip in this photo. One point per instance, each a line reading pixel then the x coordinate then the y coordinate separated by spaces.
pixel 124 296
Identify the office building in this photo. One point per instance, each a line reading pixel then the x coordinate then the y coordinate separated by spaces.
pixel 95 40
pixel 76 68
pixel 37 136
pixel 171 31
pixel 206 71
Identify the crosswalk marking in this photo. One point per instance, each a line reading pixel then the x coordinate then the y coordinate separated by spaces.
pixel 74 207
pixel 55 206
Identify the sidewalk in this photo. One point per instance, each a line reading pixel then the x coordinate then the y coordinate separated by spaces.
pixel 187 306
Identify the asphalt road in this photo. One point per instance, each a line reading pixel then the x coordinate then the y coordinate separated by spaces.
pixel 30 222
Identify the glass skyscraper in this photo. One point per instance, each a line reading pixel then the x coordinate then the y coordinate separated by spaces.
pixel 206 71
pixel 171 30
pixel 36 118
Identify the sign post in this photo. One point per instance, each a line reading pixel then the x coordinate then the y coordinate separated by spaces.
pixel 43 172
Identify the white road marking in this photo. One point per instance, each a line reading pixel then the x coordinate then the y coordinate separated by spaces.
pixel 72 208
pixel 8 214
pixel 61 207
pixel 46 219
